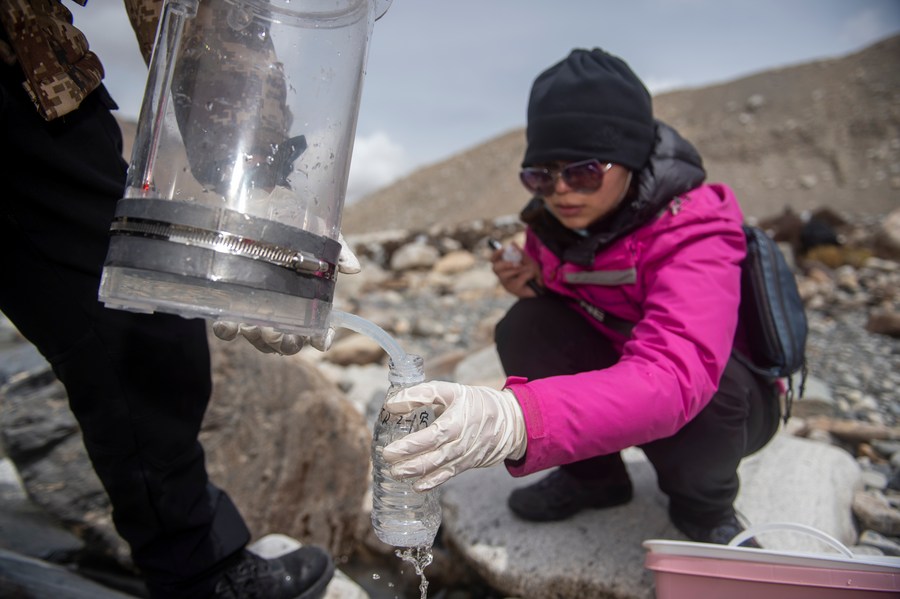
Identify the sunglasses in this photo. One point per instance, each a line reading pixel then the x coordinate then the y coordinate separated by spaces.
pixel 584 177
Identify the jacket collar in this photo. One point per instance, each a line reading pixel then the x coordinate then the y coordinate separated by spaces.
pixel 674 167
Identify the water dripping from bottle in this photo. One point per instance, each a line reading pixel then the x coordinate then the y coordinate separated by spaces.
pixel 420 557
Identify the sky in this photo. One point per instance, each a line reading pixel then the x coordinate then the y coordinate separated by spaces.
pixel 445 76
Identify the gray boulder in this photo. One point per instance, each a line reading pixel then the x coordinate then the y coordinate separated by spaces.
pixel 415 255
pixel 286 444
pixel 599 553
pixel 804 482
pixel 289 447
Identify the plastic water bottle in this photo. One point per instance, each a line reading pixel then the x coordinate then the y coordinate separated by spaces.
pixel 512 254
pixel 401 516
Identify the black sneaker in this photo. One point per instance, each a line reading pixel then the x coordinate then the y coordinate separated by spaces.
pixel 300 574
pixel 559 495
pixel 719 532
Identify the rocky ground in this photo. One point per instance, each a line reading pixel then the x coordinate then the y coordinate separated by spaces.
pixel 434 292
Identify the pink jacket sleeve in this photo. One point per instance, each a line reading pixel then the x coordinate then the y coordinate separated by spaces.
pixel 669 369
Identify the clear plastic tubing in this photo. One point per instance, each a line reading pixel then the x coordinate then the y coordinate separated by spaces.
pixel 338 319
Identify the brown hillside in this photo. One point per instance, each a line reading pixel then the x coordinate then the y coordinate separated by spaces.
pixel 826 133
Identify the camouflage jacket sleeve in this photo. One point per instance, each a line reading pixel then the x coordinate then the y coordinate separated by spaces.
pixel 59 69
pixel 144 17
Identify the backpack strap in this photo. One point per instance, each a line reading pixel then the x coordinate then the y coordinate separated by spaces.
pixel 772 314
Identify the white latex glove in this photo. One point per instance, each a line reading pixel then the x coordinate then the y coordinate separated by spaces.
pixel 272 341
pixel 348 263
pixel 475 427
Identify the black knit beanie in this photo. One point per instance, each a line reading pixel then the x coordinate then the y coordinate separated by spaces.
pixel 590 105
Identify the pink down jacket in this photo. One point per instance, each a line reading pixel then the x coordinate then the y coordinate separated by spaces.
pixel 678 278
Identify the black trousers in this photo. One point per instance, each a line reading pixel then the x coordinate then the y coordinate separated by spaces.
pixel 697 466
pixel 138 384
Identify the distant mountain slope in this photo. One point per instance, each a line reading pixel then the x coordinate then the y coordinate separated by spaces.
pixel 825 133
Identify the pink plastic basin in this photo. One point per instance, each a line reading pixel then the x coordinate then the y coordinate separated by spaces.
pixel 684 570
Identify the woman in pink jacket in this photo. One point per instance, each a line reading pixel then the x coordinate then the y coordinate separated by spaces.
pixel 629 287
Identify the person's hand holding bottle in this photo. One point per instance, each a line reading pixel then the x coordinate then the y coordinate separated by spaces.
pixel 475 427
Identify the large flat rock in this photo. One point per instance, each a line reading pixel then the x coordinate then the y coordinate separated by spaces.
pixel 800 481
pixel 599 553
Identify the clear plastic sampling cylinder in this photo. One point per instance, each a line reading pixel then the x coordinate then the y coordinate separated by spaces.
pixel 401 516
pixel 239 170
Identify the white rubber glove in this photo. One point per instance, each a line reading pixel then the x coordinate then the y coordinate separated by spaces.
pixel 348 263
pixel 272 341
pixel 474 427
